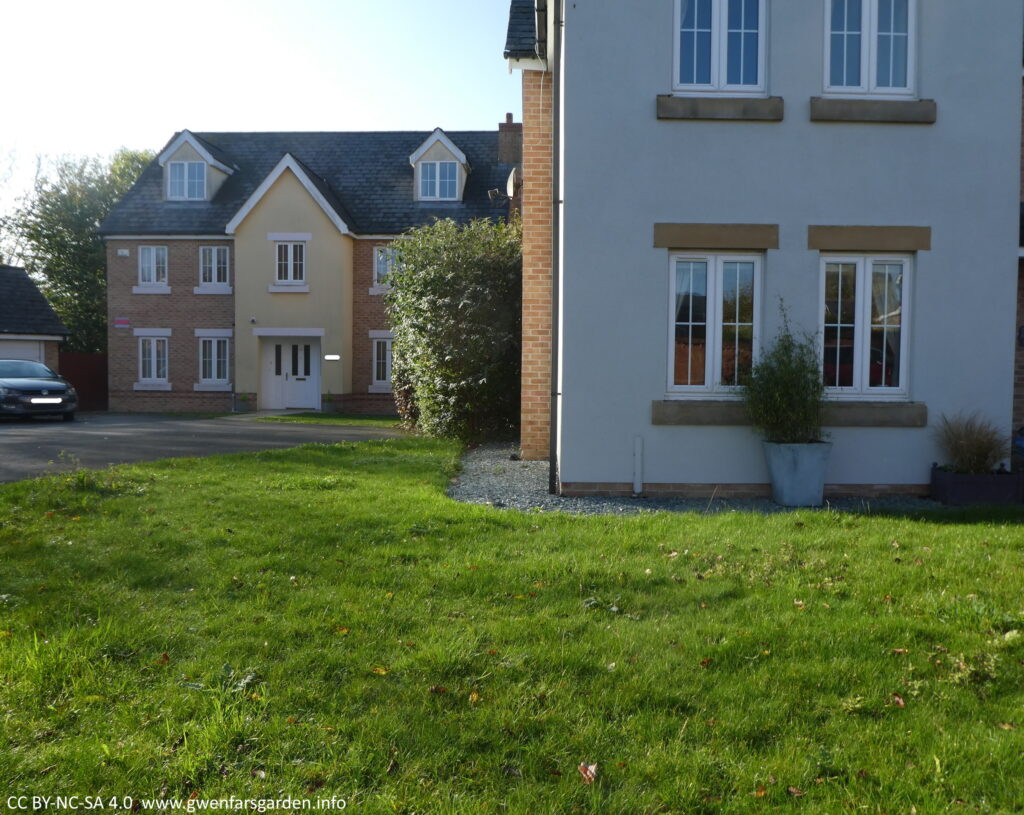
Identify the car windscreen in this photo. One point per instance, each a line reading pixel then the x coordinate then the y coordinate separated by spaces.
pixel 23 369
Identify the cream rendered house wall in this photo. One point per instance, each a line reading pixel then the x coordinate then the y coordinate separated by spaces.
pixel 288 208
pixel 214 177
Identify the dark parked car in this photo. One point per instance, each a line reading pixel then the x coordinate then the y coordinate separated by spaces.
pixel 32 389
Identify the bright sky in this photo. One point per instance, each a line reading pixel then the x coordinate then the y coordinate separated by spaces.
pixel 86 78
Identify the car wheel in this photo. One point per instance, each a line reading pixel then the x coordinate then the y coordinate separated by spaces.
pixel 68 417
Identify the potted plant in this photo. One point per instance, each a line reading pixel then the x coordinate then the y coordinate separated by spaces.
pixel 784 394
pixel 974 448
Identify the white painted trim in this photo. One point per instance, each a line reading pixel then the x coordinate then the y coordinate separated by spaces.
pixel 213 387
pixel 287 332
pixel 213 284
pixel 288 288
pixel 377 237
pixel 214 332
pixel 526 64
pixel 378 290
pixel 152 288
pixel 219 238
pixel 438 136
pixel 32 337
pixel 151 386
pixel 381 335
pixel 289 236
pixel 152 332
pixel 287 162
pixel 186 197
pixel 460 170
pixel 719 55
pixel 212 288
pixel 185 137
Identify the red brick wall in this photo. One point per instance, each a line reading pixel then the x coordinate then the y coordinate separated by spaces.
pixel 182 311
pixel 535 410
pixel 368 314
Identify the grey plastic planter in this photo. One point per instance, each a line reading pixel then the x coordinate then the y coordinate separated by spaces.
pixel 797 472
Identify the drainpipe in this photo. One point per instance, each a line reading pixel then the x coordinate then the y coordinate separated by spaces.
pixel 556 148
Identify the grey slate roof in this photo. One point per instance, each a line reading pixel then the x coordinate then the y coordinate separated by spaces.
pixel 521 40
pixel 23 309
pixel 365 176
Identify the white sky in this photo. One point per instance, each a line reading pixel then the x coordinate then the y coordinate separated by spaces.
pixel 86 78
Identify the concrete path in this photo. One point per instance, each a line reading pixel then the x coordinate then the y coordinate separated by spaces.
pixel 96 440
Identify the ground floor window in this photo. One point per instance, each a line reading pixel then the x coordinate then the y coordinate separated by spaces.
pixel 714 323
pixel 864 337
pixel 382 363
pixel 213 360
pixel 152 359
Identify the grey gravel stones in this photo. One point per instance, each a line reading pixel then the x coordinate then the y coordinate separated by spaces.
pixel 491 475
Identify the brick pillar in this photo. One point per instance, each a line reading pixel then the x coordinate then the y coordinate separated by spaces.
pixel 535 411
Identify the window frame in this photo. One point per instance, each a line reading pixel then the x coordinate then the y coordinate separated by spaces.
pixel 859 390
pixel 386 251
pixel 152 357
pixel 214 344
pixel 716 261
pixel 152 251
pixel 868 87
pixel 215 251
pixel 436 195
pixel 186 181
pixel 290 264
pixel 720 55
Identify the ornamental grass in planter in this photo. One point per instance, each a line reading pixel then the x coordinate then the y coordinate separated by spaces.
pixel 974 448
pixel 784 394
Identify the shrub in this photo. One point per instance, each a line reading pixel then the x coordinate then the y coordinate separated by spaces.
pixel 971 444
pixel 784 390
pixel 454 306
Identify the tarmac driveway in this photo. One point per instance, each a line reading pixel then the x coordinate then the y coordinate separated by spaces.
pixel 96 440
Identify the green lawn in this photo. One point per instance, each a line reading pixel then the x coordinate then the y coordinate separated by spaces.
pixel 350 419
pixel 324 622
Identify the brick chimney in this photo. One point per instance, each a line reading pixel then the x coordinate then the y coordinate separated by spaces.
pixel 510 141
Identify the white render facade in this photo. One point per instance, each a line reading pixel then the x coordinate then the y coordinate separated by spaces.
pixel 780 149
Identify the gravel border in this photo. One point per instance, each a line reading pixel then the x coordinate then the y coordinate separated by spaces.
pixel 492 475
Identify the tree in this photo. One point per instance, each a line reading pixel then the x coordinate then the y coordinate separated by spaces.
pixel 454 306
pixel 55 236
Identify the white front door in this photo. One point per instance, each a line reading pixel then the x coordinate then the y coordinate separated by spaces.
pixel 291 374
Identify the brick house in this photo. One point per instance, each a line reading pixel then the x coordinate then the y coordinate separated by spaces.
pixel 709 158
pixel 247 270
pixel 29 327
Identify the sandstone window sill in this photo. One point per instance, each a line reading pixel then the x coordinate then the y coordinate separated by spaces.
pixel 877 111
pixel 765 109
pixel 151 386
pixel 151 289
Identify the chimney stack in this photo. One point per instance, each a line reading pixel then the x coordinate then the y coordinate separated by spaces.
pixel 510 141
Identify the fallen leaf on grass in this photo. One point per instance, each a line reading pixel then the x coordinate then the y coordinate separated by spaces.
pixel 438 689
pixel 1006 726
pixel 393 767
pixel 588 772
pixel 163 659
pixel 796 792
pixel 340 629
pixel 760 792
pixel 261 774
pixel 380 670
pixel 704 663
pixel 898 700
pixel 474 698
pixel 901 650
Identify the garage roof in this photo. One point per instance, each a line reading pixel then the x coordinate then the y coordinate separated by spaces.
pixel 23 309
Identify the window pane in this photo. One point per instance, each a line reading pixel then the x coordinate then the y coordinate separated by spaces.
pixel 295 360
pixel 146 355
pixel 703 58
pixel 886 319
pixel 222 360
pixel 145 264
pixel 306 359
pixel 282 261
pixel 298 261
pixel 840 316
pixel 741 43
pixel 448 187
pixel 845 43
pixel 206 359
pixel 428 180
pixel 196 180
pixel 177 179
pixel 222 264
pixel 691 322
pixel 893 21
pixel 695 43
pixel 161 359
pixel 160 264
pixel 380 362
pixel 737 320
pixel 277 360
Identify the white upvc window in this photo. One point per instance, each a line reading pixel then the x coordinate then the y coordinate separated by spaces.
pixel 186 180
pixel 383 264
pixel 439 180
pixel 864 322
pixel 714 314
pixel 213 266
pixel 381 364
pixel 870 47
pixel 213 360
pixel 291 263
pixel 720 47
pixel 152 360
pixel 152 265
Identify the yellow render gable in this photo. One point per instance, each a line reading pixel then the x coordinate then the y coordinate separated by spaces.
pixel 319 307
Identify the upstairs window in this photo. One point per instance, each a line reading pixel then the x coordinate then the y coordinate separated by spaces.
pixel 152 265
pixel 720 46
pixel 869 47
pixel 439 180
pixel 291 263
pixel 383 263
pixel 186 180
pixel 213 266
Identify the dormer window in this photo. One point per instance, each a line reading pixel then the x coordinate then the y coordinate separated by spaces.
pixel 186 180
pixel 439 180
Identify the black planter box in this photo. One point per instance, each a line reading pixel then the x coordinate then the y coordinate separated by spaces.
pixel 962 489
